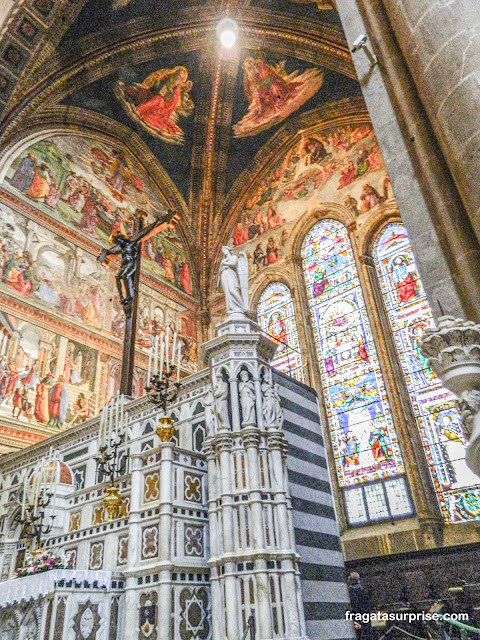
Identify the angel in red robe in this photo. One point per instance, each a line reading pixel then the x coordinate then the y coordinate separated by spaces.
pixel 158 101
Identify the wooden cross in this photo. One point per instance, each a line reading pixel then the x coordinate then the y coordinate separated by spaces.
pixel 128 279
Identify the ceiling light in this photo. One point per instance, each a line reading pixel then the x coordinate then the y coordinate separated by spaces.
pixel 227 31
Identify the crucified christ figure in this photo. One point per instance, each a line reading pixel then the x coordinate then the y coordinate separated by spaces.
pixel 129 248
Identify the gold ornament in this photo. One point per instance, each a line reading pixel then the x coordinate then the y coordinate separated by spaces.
pixel 111 502
pixel 165 430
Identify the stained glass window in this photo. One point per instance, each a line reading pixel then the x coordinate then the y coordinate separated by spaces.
pixel 276 316
pixel 458 488
pixel 363 434
pixel 361 426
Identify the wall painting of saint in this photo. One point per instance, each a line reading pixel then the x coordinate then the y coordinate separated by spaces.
pixel 273 94
pixel 158 102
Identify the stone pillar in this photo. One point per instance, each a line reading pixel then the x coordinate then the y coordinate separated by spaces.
pixel 134 548
pixel 13 345
pixel 223 445
pixel 454 354
pixel 446 251
pixel 61 355
pixel 276 444
pixel 441 44
pixel 165 538
pixel 251 441
pixel 218 631
pixel 240 347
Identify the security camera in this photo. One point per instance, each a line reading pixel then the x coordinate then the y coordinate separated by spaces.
pixel 360 42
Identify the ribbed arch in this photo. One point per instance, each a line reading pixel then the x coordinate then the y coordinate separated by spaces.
pixel 276 316
pixel 439 423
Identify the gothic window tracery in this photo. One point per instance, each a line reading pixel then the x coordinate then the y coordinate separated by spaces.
pixel 369 462
pixel 439 423
pixel 276 316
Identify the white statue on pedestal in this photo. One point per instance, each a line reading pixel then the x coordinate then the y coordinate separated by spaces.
pixel 246 389
pixel 233 277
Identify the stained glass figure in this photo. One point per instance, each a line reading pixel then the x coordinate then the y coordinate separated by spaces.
pixel 458 488
pixel 361 427
pixel 276 316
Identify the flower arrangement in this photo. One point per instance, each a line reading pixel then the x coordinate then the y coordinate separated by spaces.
pixel 38 562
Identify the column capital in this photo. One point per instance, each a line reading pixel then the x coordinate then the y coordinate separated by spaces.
pixel 453 350
pixel 276 440
pixel 250 438
pixel 223 442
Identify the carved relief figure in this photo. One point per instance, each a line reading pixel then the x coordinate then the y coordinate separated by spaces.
pixel 246 390
pixel 220 394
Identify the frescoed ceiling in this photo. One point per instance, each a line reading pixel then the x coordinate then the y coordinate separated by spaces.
pixel 152 75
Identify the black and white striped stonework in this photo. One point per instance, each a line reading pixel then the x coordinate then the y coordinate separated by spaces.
pixel 324 589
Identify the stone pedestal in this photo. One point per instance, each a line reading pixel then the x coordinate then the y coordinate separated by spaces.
pixel 253 558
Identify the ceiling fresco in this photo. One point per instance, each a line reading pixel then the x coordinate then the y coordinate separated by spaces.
pixel 152 72
pixel 157 100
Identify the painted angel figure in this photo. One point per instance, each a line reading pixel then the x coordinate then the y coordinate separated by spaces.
pixel 233 277
pixel 158 102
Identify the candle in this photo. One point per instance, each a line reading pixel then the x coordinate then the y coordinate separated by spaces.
pixel 24 496
pixel 174 349
pixel 155 362
pixel 55 484
pixel 167 350
pixel 162 353
pixel 110 425
pixel 101 430
pixel 178 362
pixel 117 410
pixel 149 373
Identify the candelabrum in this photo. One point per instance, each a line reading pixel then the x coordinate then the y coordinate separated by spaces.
pixel 111 436
pixel 37 498
pixel 164 379
pixel 33 526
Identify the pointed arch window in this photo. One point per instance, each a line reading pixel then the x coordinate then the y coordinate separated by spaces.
pixel 409 314
pixel 369 462
pixel 276 316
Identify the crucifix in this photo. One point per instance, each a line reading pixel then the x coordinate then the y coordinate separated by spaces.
pixel 128 279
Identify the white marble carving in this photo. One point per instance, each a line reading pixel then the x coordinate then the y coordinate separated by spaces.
pixel 233 277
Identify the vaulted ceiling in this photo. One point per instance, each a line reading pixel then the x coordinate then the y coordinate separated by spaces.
pixel 203 122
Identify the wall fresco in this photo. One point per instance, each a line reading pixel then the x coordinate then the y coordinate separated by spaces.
pixel 52 273
pixel 341 165
pixel 96 189
pixel 156 313
pixel 45 378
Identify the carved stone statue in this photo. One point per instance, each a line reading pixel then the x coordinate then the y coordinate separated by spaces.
pixel 209 411
pixel 220 394
pixel 233 277
pixel 271 409
pixel 129 249
pixel 246 389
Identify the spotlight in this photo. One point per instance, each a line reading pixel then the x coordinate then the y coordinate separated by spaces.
pixel 227 31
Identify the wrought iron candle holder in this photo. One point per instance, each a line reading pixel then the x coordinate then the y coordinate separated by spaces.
pixel 111 437
pixel 164 384
pixel 33 527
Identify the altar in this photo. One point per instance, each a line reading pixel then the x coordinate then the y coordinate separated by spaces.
pixel 223 516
